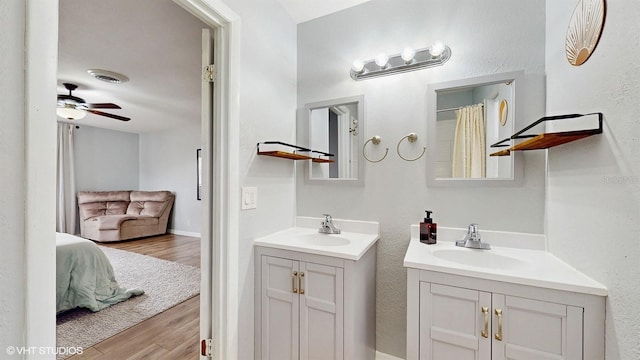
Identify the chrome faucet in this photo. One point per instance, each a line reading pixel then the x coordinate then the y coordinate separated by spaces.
pixel 327 227
pixel 472 239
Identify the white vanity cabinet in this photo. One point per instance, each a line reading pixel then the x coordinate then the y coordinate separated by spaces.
pixel 457 317
pixel 311 306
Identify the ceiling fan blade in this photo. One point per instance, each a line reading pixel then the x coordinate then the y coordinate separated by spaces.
pixel 103 106
pixel 117 117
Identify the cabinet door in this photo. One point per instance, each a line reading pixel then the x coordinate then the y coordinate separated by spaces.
pixel 453 323
pixel 321 312
pixel 280 308
pixel 537 330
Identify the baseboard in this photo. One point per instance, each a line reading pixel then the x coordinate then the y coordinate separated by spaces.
pixel 383 356
pixel 183 233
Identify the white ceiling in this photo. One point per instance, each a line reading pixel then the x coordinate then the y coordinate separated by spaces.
pixel 153 42
pixel 305 10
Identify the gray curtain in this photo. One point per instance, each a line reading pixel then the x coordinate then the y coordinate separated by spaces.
pixel 65 185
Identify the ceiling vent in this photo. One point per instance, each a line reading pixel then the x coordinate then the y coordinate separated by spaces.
pixel 108 76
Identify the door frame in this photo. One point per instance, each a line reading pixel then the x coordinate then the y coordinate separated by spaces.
pixel 219 313
pixel 41 58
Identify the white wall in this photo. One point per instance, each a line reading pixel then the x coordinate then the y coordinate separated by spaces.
pixel 27 183
pixel 106 160
pixel 168 162
pixel 267 102
pixel 593 200
pixel 486 37
pixel 12 180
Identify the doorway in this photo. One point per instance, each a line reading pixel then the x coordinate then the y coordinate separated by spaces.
pixel 221 138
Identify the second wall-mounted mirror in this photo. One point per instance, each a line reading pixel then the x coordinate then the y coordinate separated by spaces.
pixel 465 118
pixel 336 127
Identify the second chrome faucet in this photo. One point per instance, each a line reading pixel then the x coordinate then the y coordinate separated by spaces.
pixel 472 239
pixel 327 227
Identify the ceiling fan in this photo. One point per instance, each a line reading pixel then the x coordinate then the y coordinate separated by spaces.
pixel 73 108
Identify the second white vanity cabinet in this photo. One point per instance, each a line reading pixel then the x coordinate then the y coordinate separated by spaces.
pixel 315 296
pixel 516 303
pixel 459 323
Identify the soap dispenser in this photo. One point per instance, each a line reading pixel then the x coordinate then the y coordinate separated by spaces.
pixel 428 229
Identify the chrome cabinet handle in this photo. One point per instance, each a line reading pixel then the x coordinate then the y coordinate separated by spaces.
pixel 499 333
pixel 293 282
pixel 300 283
pixel 485 332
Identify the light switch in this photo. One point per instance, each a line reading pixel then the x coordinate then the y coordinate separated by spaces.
pixel 249 198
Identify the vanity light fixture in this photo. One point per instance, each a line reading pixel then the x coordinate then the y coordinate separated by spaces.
pixel 409 60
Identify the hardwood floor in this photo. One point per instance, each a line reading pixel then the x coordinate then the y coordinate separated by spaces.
pixel 170 335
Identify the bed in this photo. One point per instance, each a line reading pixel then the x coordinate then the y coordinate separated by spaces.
pixel 84 276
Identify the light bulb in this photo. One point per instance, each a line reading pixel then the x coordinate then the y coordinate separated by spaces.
pixel 357 66
pixel 436 49
pixel 382 59
pixel 408 54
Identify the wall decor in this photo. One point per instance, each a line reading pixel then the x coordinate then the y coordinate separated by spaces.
pixel 503 111
pixel 585 28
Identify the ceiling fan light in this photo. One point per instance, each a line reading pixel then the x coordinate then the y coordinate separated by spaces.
pixel 108 76
pixel 70 113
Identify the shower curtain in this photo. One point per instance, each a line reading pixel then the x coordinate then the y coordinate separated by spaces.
pixel 469 149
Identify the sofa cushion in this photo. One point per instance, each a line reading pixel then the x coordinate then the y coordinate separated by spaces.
pixel 85 197
pixel 149 203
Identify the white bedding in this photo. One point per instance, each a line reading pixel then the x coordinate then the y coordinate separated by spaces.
pixel 84 276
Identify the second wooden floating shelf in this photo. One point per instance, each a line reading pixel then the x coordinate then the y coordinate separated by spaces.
pixel 293 155
pixel 547 140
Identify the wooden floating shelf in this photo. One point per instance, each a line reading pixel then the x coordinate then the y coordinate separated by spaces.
pixel 320 160
pixel 548 140
pixel 285 155
pixel 292 155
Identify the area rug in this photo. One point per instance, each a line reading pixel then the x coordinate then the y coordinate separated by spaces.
pixel 165 284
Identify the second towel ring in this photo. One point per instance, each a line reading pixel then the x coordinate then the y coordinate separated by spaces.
pixel 375 140
pixel 412 138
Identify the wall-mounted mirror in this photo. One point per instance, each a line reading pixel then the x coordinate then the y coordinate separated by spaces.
pixel 465 117
pixel 336 127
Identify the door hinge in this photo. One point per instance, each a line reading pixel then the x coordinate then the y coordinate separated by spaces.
pixel 210 73
pixel 206 348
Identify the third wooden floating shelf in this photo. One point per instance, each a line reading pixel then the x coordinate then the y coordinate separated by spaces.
pixel 566 128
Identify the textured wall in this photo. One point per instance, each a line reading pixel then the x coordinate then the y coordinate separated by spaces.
pixel 593 200
pixel 267 101
pixel 106 159
pixel 168 162
pixel 486 37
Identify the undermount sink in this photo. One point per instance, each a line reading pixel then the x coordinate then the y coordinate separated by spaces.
pixel 478 258
pixel 323 239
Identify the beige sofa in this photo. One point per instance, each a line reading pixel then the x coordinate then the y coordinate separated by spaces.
pixel 120 215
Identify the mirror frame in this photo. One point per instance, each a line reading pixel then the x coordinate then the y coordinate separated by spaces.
pixel 359 101
pixel 432 106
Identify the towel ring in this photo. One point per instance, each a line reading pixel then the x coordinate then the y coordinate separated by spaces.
pixel 375 140
pixel 412 138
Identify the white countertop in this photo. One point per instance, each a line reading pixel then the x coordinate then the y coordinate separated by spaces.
pixel 525 266
pixel 352 243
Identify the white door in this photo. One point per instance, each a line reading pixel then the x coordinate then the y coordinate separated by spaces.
pixel 537 330
pixel 321 312
pixel 454 323
pixel 279 308
pixel 207 249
